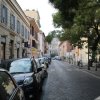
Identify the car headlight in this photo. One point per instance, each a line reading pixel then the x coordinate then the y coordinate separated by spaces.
pixel 28 80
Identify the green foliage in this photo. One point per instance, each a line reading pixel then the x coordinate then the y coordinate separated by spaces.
pixel 77 17
pixel 48 39
pixel 67 10
pixel 57 19
pixel 51 35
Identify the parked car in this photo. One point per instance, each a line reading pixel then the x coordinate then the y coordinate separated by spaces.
pixel 44 60
pixel 9 90
pixel 27 75
pixel 49 59
pixel 56 58
pixel 44 72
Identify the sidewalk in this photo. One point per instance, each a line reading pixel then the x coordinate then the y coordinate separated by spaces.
pixel 92 70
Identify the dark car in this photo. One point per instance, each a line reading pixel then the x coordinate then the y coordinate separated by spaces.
pixel 27 75
pixel 9 90
pixel 44 60
pixel 44 72
pixel 49 59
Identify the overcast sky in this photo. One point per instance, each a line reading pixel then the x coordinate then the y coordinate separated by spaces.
pixel 45 10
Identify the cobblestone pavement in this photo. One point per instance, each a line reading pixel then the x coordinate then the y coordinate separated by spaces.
pixel 67 82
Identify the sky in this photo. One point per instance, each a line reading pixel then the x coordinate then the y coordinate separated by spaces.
pixel 45 10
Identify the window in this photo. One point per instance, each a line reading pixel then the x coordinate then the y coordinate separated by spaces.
pixel 36 36
pixel 32 31
pixel 11 49
pixel 4 14
pixel 12 21
pixel 28 35
pixel 6 86
pixel 2 51
pixel 25 33
pixel 33 43
pixel 18 26
pixel 22 30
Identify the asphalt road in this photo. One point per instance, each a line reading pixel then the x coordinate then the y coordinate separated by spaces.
pixel 66 82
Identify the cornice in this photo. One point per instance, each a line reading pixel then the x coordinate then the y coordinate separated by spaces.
pixel 7 29
pixel 13 33
pixel 18 13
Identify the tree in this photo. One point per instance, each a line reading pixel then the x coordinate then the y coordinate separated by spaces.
pixel 78 16
pixel 88 16
pixel 67 9
pixel 51 35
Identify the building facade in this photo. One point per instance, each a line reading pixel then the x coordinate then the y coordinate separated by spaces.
pixel 41 36
pixel 54 46
pixel 65 49
pixel 33 14
pixel 41 46
pixel 82 53
pixel 14 30
pixel 33 41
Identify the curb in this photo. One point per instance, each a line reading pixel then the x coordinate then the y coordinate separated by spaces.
pixel 90 73
pixel 84 69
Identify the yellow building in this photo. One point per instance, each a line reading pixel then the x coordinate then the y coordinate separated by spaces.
pixel 82 53
pixel 33 40
pixel 34 14
pixel 65 49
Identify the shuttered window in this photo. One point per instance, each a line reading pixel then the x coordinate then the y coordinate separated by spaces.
pixel 4 14
pixel 22 30
pixel 25 33
pixel 12 21
pixel 18 26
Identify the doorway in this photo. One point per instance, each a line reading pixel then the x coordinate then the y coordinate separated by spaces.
pixel 2 51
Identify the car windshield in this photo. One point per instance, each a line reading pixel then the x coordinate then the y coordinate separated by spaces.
pixel 20 66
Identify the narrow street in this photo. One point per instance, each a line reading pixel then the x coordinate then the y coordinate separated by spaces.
pixel 66 82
